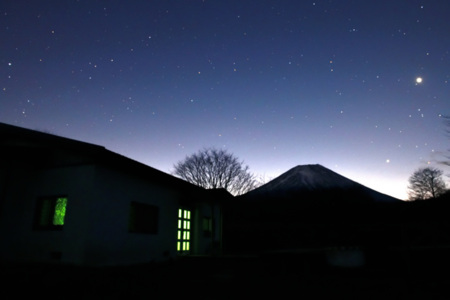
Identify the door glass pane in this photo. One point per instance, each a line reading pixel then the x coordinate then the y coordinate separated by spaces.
pixel 183 234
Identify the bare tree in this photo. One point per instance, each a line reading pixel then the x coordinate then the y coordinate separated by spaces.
pixel 426 183
pixel 215 168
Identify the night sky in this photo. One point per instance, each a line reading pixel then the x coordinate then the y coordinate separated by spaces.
pixel 277 83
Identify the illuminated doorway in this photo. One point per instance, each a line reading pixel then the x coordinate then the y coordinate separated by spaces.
pixel 184 231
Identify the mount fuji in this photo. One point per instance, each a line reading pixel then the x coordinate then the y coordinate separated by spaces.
pixel 314 178
pixel 308 205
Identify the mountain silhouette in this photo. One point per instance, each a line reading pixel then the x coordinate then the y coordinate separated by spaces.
pixel 309 206
pixel 314 178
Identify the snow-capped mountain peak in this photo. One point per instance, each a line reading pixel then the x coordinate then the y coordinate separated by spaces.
pixel 308 177
pixel 313 178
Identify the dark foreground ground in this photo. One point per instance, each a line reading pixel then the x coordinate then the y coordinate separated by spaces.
pixel 393 275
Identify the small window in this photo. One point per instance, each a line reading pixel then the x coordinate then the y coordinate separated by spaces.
pixel 207 226
pixel 143 218
pixel 50 213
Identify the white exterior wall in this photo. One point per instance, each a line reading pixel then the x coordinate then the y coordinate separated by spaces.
pixel 206 244
pixel 20 242
pixel 96 222
pixel 109 241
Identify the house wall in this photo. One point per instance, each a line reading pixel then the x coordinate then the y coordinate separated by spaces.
pixel 109 240
pixel 96 222
pixel 21 189
pixel 206 243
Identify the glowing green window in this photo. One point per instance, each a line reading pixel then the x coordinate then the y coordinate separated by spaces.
pixel 184 231
pixel 60 211
pixel 50 213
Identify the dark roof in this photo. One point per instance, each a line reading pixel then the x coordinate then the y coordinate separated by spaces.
pixel 31 148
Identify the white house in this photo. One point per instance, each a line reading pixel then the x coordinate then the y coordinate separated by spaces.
pixel 72 202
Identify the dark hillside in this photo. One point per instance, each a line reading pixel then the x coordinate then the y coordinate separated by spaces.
pixel 332 217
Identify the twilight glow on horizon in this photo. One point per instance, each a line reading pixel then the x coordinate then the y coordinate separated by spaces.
pixel 359 87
